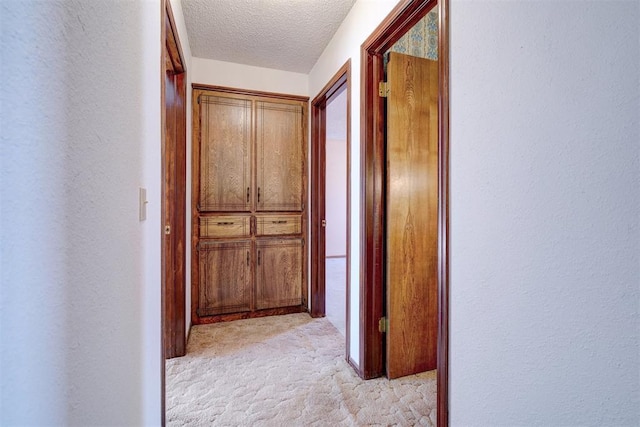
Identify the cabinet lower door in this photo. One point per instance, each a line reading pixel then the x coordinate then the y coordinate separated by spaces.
pixel 225 277
pixel 279 273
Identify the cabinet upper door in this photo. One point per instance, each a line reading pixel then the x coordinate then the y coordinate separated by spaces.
pixel 280 156
pixel 225 154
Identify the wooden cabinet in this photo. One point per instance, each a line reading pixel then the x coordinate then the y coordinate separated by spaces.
pixel 249 204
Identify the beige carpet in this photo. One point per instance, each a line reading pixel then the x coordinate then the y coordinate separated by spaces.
pixel 286 371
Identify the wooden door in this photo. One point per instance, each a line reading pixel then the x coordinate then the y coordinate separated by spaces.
pixel 279 275
pixel 225 153
pixel 225 277
pixel 174 216
pixel 411 220
pixel 280 156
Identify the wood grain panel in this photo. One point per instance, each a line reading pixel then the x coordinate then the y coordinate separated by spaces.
pixel 225 153
pixel 279 275
pixel 273 225
pixel 412 215
pixel 225 277
pixel 225 226
pixel 280 156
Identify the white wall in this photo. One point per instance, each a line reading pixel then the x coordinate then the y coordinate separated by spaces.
pixel 336 176
pixel 545 213
pixel 363 18
pixel 220 73
pixel 178 16
pixel 80 275
pixel 336 198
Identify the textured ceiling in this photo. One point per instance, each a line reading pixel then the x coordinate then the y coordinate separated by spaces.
pixel 282 34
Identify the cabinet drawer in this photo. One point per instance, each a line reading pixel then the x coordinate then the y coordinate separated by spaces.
pixel 270 225
pixel 225 226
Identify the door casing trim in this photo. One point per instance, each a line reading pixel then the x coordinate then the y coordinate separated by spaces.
pixel 397 23
pixel 173 338
pixel 339 82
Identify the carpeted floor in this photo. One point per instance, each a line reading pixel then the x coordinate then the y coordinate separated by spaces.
pixel 286 371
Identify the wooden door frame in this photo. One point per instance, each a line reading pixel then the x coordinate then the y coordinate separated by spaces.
pixel 406 14
pixel 173 292
pixel 339 82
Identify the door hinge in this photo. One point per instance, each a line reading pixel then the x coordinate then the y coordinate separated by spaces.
pixel 383 325
pixel 303 241
pixel 199 98
pixel 383 89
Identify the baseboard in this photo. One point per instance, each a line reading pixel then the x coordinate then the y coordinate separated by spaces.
pixel 204 320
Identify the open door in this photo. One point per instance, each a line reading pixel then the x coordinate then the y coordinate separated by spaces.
pixel 412 215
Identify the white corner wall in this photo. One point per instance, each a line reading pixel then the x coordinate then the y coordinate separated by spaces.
pixel 363 18
pixel 80 275
pixel 229 74
pixel 545 213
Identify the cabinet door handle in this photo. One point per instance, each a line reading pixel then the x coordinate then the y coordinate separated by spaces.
pixel 247 194
pixel 224 223
pixel 258 194
pixel 258 257
pixel 279 222
pixel 247 258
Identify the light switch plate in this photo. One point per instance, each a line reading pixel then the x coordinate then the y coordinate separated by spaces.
pixel 143 204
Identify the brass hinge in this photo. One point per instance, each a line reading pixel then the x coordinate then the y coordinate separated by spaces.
pixel 383 325
pixel 383 89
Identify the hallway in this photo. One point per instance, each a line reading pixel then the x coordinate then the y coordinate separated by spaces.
pixel 286 370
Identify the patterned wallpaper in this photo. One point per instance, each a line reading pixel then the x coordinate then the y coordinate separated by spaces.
pixel 422 39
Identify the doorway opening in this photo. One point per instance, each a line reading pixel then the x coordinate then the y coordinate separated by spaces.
pixel 374 177
pixel 330 206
